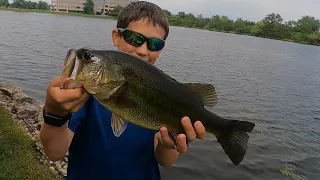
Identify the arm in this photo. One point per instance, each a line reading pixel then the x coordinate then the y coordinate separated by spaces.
pixel 56 140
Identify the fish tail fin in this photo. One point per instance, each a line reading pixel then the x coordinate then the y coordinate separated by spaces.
pixel 234 139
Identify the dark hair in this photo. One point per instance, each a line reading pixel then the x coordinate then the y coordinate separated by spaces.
pixel 143 9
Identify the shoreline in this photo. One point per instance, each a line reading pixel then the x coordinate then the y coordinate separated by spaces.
pixel 114 18
pixel 57 13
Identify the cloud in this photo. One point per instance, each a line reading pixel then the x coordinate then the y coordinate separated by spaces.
pixel 247 9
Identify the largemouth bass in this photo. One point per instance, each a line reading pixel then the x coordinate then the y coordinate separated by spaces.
pixel 138 92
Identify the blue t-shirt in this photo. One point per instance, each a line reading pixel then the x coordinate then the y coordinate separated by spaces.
pixel 96 153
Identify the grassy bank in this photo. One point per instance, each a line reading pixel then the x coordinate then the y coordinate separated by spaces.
pixel 18 156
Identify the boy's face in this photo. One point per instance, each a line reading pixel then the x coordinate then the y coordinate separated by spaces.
pixel 142 26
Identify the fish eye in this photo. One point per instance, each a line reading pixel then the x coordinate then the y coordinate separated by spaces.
pixel 87 55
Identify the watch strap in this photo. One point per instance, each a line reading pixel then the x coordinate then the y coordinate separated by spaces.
pixel 55 120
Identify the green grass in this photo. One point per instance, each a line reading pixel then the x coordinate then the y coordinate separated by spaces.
pixel 18 156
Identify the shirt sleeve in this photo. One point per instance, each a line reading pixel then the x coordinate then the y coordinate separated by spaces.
pixel 78 117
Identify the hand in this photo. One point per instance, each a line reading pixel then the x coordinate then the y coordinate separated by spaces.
pixel 61 101
pixel 190 134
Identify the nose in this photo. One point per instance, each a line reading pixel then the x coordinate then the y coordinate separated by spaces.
pixel 142 51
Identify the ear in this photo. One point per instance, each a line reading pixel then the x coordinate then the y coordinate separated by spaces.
pixel 115 37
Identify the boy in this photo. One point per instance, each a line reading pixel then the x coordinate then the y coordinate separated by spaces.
pixel 94 152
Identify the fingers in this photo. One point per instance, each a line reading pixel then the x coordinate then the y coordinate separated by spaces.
pixel 74 106
pixel 200 129
pixel 166 139
pixel 193 132
pixel 61 101
pixel 61 95
pixel 189 130
pixel 182 145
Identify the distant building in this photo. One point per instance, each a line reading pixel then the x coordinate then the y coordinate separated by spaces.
pixel 101 6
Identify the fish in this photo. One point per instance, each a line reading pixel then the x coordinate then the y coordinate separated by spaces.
pixel 138 92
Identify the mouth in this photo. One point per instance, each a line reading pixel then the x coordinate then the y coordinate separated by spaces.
pixel 70 70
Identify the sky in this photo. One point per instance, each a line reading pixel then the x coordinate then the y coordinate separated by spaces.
pixel 253 10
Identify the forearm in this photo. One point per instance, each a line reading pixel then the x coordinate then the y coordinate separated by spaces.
pixel 165 157
pixel 55 140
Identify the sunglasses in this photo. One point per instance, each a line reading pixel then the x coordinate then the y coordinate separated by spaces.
pixel 136 39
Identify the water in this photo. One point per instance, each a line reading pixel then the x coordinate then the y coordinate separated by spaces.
pixel 272 83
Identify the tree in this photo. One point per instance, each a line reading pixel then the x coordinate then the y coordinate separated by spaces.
pixel 181 14
pixel 175 20
pixel 43 5
pixel 168 13
pixel 88 7
pixel 272 26
pixel 257 29
pixel 4 3
pixel 307 25
pixel 17 4
pixel 116 10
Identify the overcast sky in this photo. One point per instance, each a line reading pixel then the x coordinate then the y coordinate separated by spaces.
pixel 247 9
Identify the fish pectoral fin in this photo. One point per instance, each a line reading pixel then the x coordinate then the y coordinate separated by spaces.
pixel 206 93
pixel 118 125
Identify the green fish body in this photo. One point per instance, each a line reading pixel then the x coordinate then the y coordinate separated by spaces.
pixel 138 92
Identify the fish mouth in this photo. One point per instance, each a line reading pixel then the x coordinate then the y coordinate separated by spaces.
pixel 70 70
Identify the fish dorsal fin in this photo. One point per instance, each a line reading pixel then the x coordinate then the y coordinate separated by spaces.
pixel 205 92
pixel 118 125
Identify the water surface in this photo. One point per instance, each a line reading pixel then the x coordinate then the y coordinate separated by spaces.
pixel 272 83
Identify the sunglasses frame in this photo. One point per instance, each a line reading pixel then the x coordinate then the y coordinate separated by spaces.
pixel 121 31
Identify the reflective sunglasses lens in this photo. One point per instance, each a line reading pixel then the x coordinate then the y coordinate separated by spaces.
pixel 155 44
pixel 133 38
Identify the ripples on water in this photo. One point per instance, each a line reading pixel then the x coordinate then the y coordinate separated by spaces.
pixel 272 83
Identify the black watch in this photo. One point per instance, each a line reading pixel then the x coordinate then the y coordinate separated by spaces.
pixel 55 120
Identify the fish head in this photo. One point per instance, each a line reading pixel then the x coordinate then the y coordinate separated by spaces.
pixel 93 70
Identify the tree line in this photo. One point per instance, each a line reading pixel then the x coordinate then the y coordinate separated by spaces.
pixel 22 4
pixel 304 30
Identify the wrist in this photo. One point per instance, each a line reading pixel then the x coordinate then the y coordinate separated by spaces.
pixel 54 110
pixel 55 120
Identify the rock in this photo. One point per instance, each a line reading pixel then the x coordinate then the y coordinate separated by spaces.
pixel 8 89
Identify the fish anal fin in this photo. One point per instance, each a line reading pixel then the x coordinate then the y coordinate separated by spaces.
pixel 118 125
pixel 205 92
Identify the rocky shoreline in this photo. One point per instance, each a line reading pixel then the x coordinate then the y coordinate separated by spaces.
pixel 28 113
